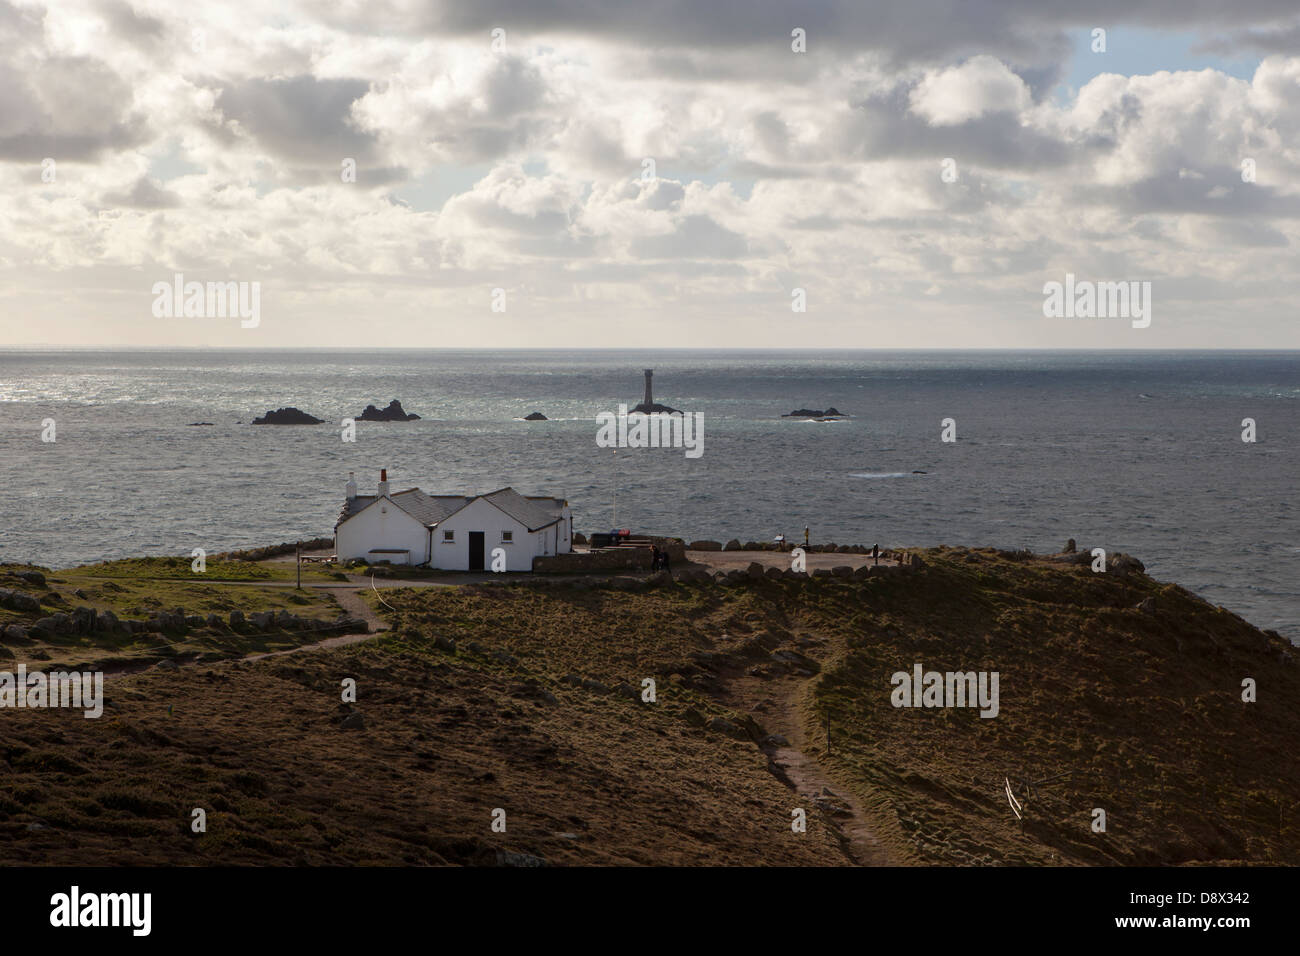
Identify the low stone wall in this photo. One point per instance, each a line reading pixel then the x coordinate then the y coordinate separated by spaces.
pixel 736 545
pixel 615 559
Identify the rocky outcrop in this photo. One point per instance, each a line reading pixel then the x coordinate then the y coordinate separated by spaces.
pixel 535 417
pixel 831 412
pixel 288 416
pixel 393 413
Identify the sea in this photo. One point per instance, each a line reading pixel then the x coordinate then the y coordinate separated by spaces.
pixel 1140 452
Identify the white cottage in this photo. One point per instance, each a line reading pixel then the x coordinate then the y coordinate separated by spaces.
pixel 451 532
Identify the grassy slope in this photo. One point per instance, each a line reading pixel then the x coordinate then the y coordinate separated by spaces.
pixel 136 588
pixel 1144 711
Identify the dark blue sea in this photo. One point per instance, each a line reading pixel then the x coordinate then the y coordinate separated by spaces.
pixel 1137 452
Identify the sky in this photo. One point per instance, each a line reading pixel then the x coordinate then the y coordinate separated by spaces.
pixel 648 173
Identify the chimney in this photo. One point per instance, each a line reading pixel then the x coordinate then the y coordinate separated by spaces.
pixel 383 482
pixel 352 487
pixel 649 398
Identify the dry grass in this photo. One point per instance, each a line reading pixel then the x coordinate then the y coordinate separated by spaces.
pixel 1143 711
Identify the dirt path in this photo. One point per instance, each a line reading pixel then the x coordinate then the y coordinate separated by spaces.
pixel 775 702
pixel 350 600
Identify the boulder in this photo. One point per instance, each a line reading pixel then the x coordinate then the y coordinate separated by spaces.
pixel 842 571
pixel 1126 564
pixel 107 622
pixel 54 624
pixel 1147 606
pixel 444 643
pixel 732 545
pixel 705 546
pixel 31 577
pixel 19 601
pixel 727 728
pixel 236 618
pixel 288 416
pixel 774 573
pixel 535 417
pixel 393 413
pixel 755 570
pixel 353 721
pixel 14 632
pixel 1069 548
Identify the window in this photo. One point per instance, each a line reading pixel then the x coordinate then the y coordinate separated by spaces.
pixel 508 537
pixel 448 537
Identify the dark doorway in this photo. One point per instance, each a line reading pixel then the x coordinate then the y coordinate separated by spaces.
pixel 476 550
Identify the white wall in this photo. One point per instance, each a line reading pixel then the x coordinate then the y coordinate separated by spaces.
pixel 382 525
pixel 492 521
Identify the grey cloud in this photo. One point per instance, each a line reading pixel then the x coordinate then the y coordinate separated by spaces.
pixel 884 127
pixel 299 118
pixel 144 194
pixel 35 122
pixel 1218 192
pixel 136 28
pixel 696 237
pixel 1026 31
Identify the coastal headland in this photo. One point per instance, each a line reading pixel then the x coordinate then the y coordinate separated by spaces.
pixel 627 718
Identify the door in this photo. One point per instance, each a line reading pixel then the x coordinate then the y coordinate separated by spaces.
pixel 476 550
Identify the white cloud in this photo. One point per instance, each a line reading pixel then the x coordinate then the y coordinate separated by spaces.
pixel 980 86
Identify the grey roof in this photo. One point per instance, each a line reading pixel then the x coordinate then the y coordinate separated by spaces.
pixel 431 510
pixel 532 513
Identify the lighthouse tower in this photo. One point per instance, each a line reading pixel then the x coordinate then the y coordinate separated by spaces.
pixel 648 406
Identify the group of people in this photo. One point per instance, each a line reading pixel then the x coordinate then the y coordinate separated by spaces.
pixel 659 560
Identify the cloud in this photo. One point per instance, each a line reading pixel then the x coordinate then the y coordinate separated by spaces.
pixel 665 163
pixel 980 86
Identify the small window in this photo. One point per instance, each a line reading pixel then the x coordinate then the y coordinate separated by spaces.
pixel 448 536
pixel 507 536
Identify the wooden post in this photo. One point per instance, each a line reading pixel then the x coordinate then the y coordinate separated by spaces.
pixel 298 555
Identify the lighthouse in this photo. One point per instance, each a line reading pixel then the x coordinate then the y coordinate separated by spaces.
pixel 648 406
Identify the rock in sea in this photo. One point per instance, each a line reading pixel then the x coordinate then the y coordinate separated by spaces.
pixel 287 416
pixel 393 413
